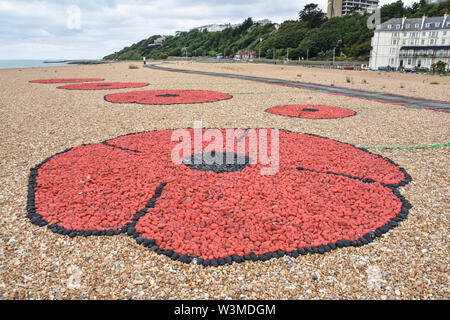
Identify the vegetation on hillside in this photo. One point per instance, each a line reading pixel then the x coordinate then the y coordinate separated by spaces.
pixel 312 34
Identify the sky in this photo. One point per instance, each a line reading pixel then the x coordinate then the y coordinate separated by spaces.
pixel 91 29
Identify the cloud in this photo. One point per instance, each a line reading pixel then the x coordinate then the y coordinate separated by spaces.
pixel 39 29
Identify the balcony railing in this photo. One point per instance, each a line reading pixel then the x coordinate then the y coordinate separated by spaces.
pixel 416 54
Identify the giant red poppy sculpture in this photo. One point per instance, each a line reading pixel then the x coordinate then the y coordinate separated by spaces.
pixel 103 85
pixel 311 111
pixel 325 194
pixel 166 97
pixel 71 80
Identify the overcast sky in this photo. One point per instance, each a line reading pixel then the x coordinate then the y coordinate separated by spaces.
pixel 38 29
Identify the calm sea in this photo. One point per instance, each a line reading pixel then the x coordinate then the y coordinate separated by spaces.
pixel 5 64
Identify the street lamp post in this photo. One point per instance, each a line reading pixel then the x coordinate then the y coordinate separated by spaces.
pixel 334 49
pixel 259 53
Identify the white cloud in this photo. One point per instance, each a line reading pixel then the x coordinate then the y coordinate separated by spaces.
pixel 39 29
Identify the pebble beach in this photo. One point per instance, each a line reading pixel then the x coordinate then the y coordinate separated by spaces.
pixel 38 120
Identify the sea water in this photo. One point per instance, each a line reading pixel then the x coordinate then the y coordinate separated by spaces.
pixel 6 64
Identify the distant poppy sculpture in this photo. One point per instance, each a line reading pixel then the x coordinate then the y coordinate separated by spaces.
pixel 326 194
pixel 311 111
pixel 167 97
pixel 51 81
pixel 104 85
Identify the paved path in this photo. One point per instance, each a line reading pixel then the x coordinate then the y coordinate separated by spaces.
pixel 371 95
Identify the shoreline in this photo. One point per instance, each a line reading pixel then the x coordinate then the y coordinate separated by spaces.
pixel 32 64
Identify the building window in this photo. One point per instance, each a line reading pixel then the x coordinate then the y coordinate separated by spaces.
pixel 389 26
pixel 437 24
pixel 410 52
pixel 443 41
pixel 394 41
pixel 392 61
pixel 421 52
pixel 405 34
pixel 431 41
pixel 408 26
pixel 417 25
pixel 428 61
pixel 404 42
pixel 397 26
pixel 430 52
pixel 444 33
pixel 411 41
pixel 419 63
pixel 441 52
pixel 409 61
pixel 422 41
pixel 395 34
pixel 433 34
pixel 424 34
pixel 427 25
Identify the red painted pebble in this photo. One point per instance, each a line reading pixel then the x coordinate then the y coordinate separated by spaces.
pixel 312 111
pixel 165 97
pixel 66 80
pixel 324 191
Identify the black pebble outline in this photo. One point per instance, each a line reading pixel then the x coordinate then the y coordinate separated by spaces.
pixel 218 168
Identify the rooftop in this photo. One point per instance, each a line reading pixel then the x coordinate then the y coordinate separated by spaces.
pixel 412 24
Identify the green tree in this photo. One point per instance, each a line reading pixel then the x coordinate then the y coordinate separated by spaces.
pixel 312 33
pixel 438 67
pixel 393 10
pixel 312 16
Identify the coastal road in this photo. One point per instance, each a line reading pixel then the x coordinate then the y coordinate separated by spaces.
pixel 355 93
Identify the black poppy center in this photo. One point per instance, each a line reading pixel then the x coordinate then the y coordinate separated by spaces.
pixel 218 162
pixel 310 109
pixel 168 95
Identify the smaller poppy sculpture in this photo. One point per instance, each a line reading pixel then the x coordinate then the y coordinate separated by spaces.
pixel 50 81
pixel 104 85
pixel 167 97
pixel 311 111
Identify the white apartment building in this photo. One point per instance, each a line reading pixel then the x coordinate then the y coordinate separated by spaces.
pixel 337 8
pixel 213 27
pixel 409 43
